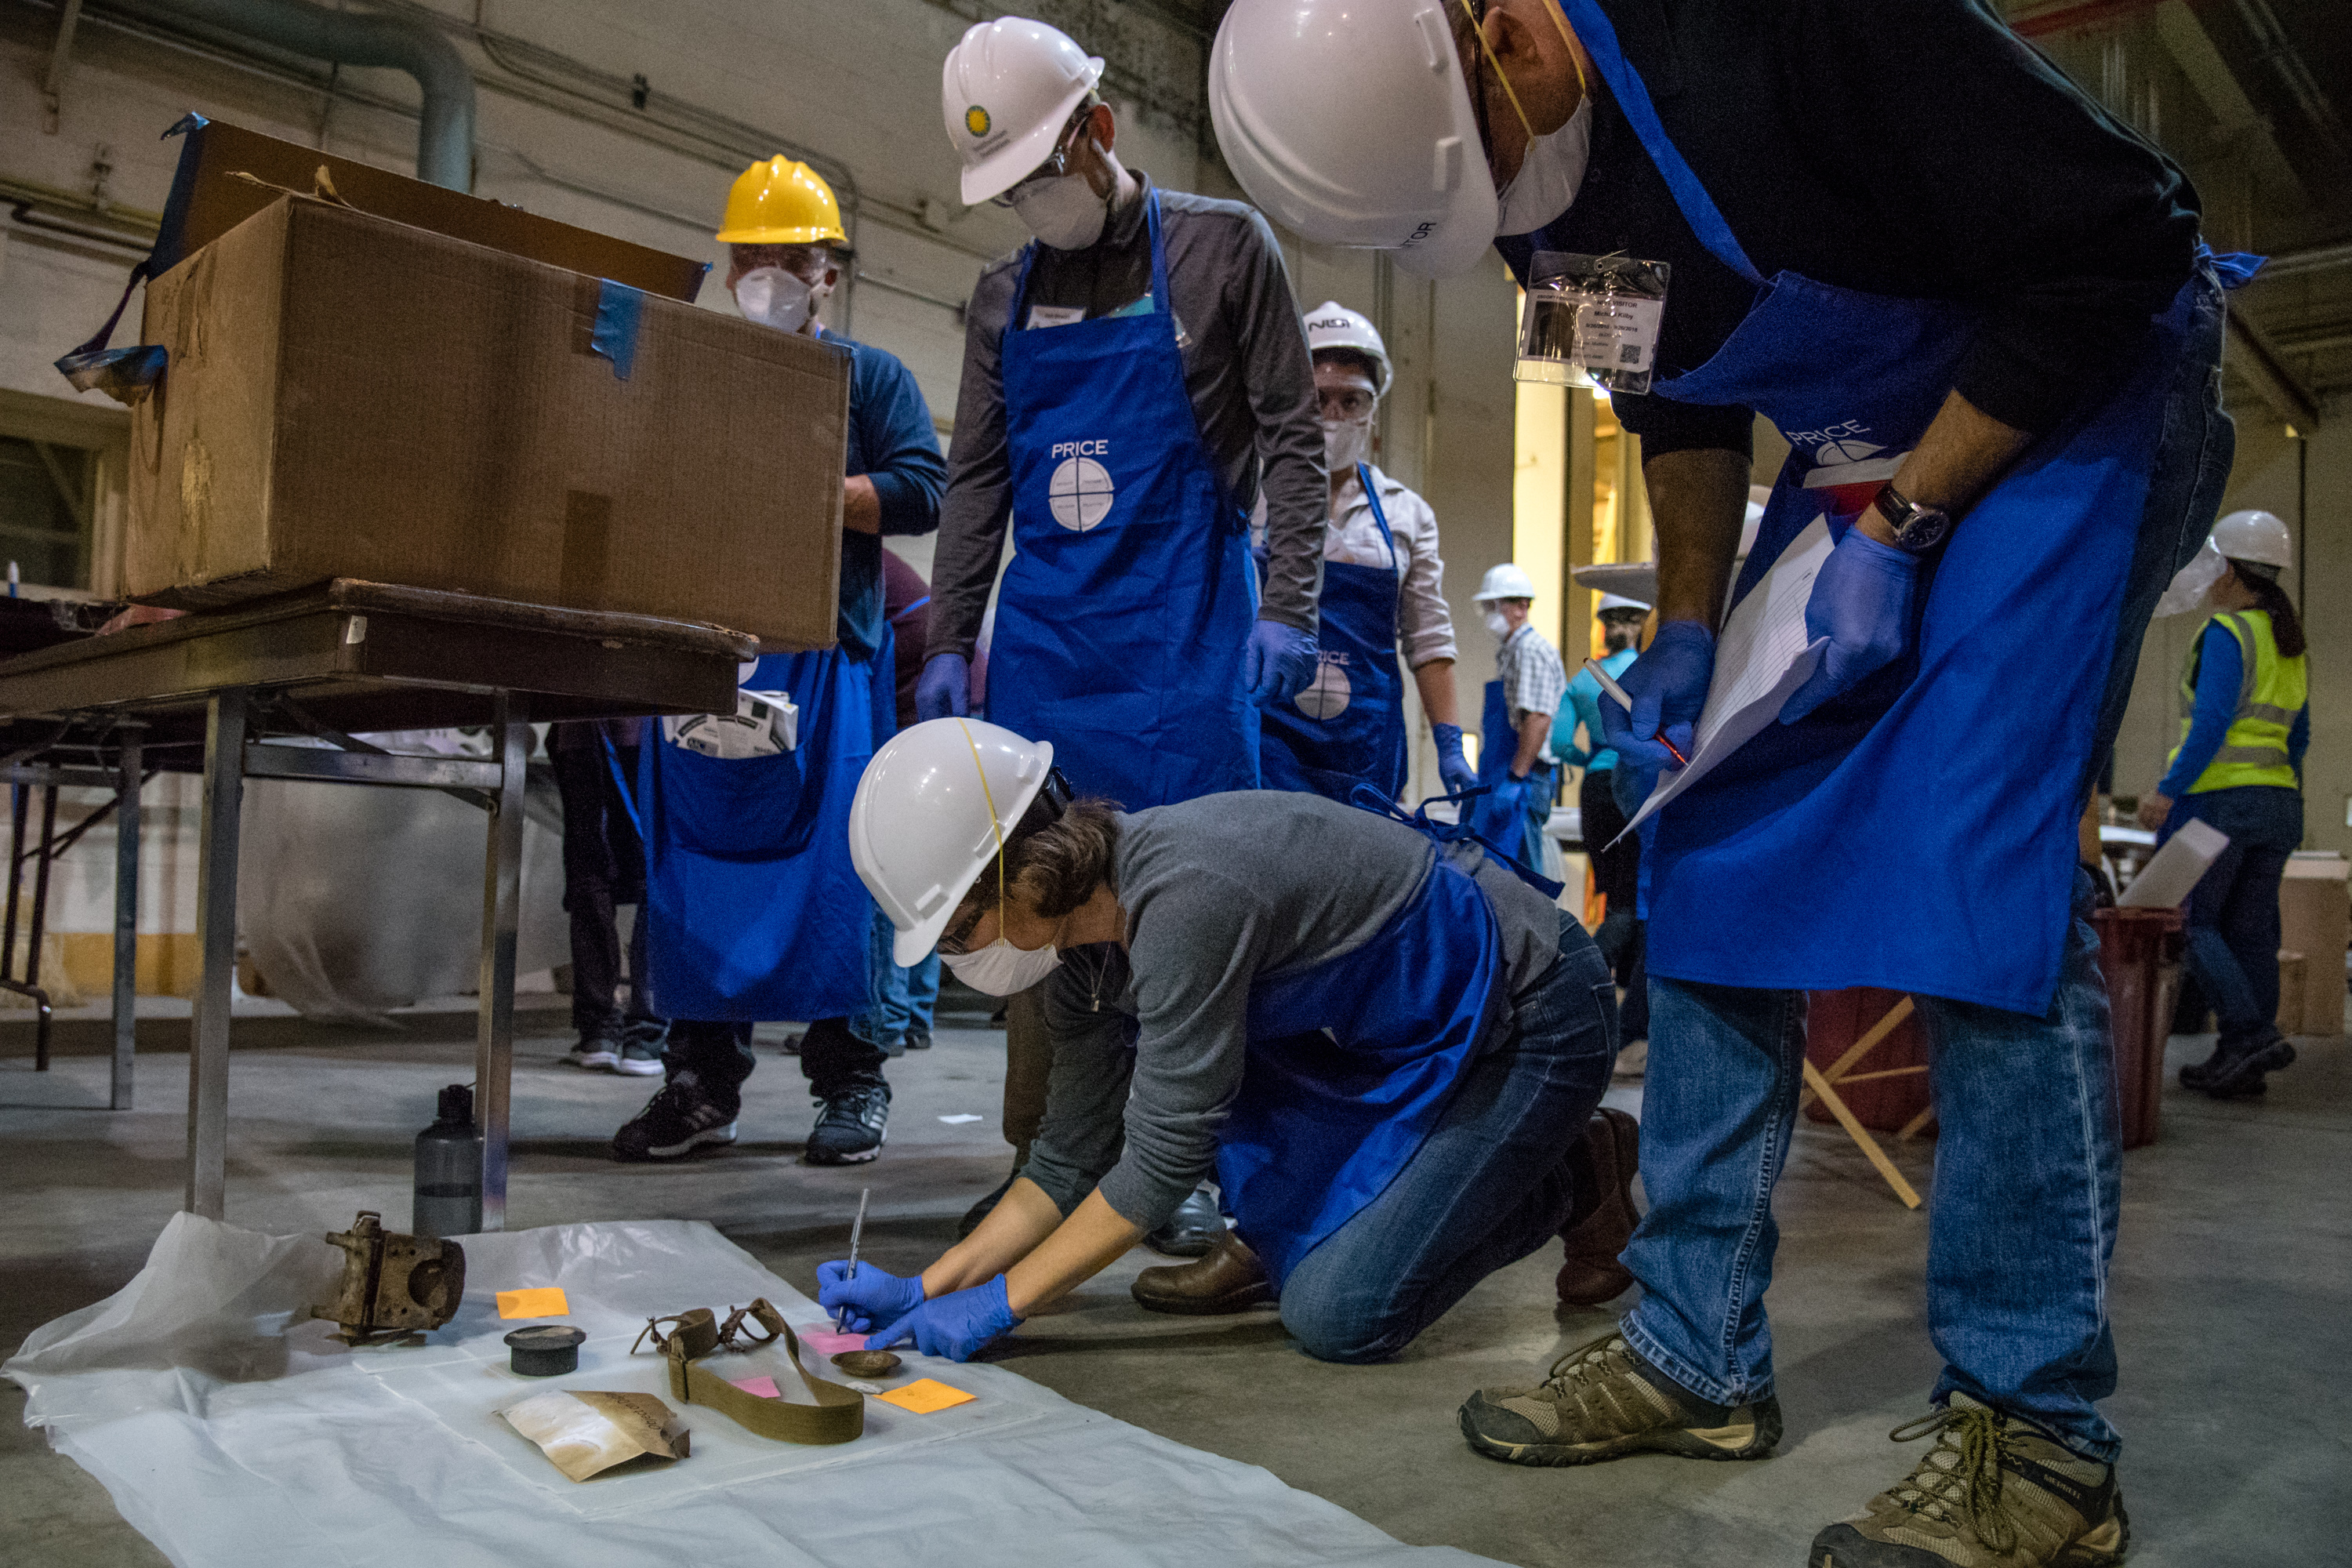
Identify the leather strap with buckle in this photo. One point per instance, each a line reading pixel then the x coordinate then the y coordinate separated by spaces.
pixel 837 1416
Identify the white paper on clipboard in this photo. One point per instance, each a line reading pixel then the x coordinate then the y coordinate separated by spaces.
pixel 1762 656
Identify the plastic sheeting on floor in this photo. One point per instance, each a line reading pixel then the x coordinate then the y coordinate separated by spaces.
pixel 231 1431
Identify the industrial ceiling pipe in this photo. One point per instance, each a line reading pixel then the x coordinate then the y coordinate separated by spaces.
pixel 445 136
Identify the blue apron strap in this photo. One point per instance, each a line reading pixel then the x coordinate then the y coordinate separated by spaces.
pixel 2236 269
pixel 1368 798
pixel 1600 41
pixel 613 762
pixel 1372 500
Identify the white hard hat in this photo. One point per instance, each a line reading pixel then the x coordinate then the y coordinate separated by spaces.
pixel 2257 536
pixel 1008 90
pixel 928 816
pixel 1504 582
pixel 1619 602
pixel 1332 325
pixel 1390 160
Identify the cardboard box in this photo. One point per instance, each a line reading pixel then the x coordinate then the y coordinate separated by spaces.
pixel 215 189
pixel 2315 921
pixel 348 396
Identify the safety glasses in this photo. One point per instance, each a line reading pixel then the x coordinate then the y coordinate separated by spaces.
pixel 1056 164
pixel 1346 403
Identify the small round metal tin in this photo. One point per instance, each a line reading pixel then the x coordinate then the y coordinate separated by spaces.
pixel 544 1350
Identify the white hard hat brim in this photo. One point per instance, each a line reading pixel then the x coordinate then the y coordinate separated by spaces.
pixel 1635 580
pixel 1018 159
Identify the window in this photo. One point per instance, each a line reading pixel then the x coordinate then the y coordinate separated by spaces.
pixel 46 495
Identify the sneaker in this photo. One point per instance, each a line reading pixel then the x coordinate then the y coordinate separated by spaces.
pixel 1995 1491
pixel 918 1038
pixel 2243 1072
pixel 680 1118
pixel 640 1056
pixel 1602 1400
pixel 895 1045
pixel 597 1051
pixel 849 1126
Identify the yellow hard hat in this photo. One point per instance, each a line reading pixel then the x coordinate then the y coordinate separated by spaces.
pixel 779 202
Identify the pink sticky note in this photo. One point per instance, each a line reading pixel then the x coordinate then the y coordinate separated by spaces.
pixel 765 1387
pixel 821 1338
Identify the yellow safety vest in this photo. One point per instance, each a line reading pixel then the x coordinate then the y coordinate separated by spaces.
pixel 2270 695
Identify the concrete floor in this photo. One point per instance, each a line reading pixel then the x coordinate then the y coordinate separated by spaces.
pixel 2232 1296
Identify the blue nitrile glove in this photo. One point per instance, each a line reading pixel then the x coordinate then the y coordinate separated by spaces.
pixel 1862 603
pixel 944 688
pixel 1453 767
pixel 1668 686
pixel 1277 662
pixel 872 1297
pixel 955 1325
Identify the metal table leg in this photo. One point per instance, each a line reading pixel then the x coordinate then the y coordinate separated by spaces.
pixel 501 899
pixel 224 729
pixel 126 916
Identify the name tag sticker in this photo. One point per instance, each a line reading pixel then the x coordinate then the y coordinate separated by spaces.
pixel 1055 315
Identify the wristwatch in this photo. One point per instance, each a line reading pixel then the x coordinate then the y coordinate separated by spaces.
pixel 1918 528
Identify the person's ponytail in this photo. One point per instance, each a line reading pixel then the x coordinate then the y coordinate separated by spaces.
pixel 2287 631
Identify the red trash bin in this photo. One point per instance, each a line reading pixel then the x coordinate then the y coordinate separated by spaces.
pixel 2139 954
pixel 1889 1087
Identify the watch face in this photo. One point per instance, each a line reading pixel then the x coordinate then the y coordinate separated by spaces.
pixel 1922 528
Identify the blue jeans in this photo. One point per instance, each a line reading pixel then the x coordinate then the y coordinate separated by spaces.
pixel 2022 1220
pixel 902 998
pixel 1490 1186
pixel 2233 915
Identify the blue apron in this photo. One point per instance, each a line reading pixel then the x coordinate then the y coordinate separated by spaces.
pixel 1918 832
pixel 1122 618
pixel 1348 727
pixel 756 910
pixel 1513 812
pixel 1351 1061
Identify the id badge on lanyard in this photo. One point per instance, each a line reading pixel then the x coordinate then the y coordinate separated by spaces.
pixel 1592 320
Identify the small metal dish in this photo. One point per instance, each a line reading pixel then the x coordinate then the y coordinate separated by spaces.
pixel 544 1350
pixel 867 1363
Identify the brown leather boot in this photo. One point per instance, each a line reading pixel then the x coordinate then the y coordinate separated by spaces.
pixel 1604 1217
pixel 1228 1280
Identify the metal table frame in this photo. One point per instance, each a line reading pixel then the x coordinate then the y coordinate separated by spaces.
pixel 369 658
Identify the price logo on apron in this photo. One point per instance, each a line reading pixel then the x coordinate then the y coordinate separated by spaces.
pixel 1328 695
pixel 1079 493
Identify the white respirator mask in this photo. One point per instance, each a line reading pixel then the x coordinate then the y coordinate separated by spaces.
pixel 1063 211
pixel 1346 442
pixel 775 298
pixel 1548 176
pixel 1001 969
pixel 1496 624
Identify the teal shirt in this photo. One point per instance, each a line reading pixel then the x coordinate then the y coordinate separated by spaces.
pixel 1582 706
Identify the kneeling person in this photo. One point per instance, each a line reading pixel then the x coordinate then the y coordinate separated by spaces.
pixel 1388 1049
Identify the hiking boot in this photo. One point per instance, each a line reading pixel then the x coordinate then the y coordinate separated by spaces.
pixel 597 1050
pixel 643 1046
pixel 1996 1491
pixel 1602 1400
pixel 682 1116
pixel 849 1126
pixel 1603 1220
pixel 2243 1073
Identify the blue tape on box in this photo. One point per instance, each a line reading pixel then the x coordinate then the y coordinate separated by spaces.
pixel 618 308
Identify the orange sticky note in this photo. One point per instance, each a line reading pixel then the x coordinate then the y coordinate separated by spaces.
pixel 926 1394
pixel 544 1301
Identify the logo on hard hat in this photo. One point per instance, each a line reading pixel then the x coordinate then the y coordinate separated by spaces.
pixel 1328 695
pixel 975 121
pixel 1079 493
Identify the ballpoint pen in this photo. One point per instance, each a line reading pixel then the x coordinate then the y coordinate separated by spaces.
pixel 856 1229
pixel 1609 684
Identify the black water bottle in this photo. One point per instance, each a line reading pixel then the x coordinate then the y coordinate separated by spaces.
pixel 449 1169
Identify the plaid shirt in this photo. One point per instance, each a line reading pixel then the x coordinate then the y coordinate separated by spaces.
pixel 1534 682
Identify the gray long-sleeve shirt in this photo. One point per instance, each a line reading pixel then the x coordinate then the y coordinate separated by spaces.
pixel 1246 370
pixel 1149 1042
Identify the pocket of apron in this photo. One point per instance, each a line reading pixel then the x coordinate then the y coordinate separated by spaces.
pixel 752 808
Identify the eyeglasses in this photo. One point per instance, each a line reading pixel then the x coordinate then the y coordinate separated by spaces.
pixel 1346 403
pixel 956 940
pixel 1056 164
